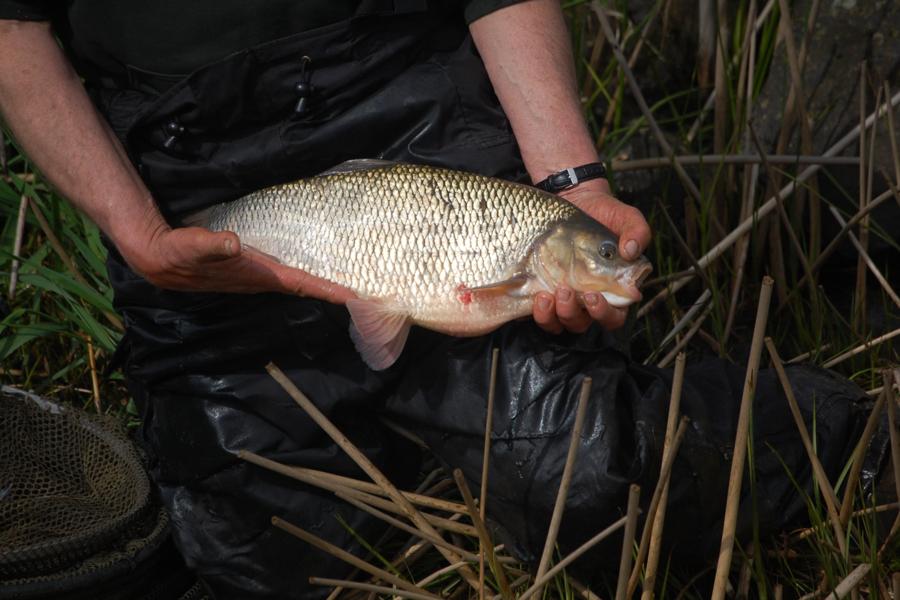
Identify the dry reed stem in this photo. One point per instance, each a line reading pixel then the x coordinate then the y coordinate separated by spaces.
pixel 17 245
pixel 805 355
pixel 348 558
pixel 540 582
pixel 743 587
pixel 437 541
pixel 857 458
pixel 864 256
pixel 683 322
pixel 860 295
pixel 683 245
pixel 631 516
pixel 802 534
pixel 642 103
pixel 596 51
pixel 686 338
pixel 831 500
pixel 786 221
pixel 664 477
pixel 113 319
pixel 748 191
pixel 894 428
pixel 833 244
pixel 95 381
pixel 763 210
pixel 484 538
pixel 695 128
pixel 659 518
pixel 582 589
pixel 850 582
pixel 895 154
pixel 16 177
pixel 861 348
pixel 403 432
pixel 720 110
pixel 365 464
pixel 632 60
pixel 717 160
pixel 450 524
pixel 333 482
pixel 710 100
pixel 369 587
pixel 485 459
pixel 796 62
pixel 563 492
pixel 740 443
pixel 439 573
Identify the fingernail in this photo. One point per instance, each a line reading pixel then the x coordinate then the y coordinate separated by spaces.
pixel 543 302
pixel 631 249
pixel 229 246
pixel 591 299
pixel 564 294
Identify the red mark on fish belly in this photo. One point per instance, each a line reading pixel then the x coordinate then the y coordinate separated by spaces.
pixel 464 294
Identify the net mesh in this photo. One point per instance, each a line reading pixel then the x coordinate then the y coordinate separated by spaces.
pixel 70 483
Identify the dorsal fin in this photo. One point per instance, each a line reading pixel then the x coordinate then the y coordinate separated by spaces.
pixel 357 164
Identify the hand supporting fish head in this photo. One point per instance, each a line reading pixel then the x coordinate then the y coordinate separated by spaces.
pixel 584 255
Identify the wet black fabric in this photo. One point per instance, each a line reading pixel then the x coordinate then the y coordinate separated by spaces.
pixel 404 88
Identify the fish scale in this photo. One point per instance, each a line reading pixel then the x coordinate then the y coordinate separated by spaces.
pixel 407 232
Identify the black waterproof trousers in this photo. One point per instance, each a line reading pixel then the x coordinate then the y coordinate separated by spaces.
pixel 404 87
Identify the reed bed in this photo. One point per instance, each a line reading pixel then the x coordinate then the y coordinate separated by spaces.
pixel 765 245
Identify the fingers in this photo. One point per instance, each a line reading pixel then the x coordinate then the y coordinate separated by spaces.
pixel 280 278
pixel 544 313
pixel 634 234
pixel 571 314
pixel 626 221
pixel 304 284
pixel 208 246
pixel 601 311
pixel 565 313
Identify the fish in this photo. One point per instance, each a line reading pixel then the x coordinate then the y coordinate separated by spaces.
pixel 451 251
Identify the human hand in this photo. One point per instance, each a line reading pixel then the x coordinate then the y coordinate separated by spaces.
pixel 564 310
pixel 196 259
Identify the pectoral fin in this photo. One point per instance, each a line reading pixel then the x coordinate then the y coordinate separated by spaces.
pixel 506 287
pixel 378 332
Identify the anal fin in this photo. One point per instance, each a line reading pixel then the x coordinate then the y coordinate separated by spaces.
pixel 378 332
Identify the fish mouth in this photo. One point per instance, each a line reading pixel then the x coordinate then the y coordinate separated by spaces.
pixel 639 273
pixel 630 283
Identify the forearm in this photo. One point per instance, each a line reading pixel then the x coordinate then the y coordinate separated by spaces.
pixel 47 109
pixel 526 51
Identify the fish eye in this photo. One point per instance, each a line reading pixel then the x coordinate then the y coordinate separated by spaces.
pixel 608 250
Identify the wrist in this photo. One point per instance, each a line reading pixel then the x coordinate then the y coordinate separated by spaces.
pixel 571 176
pixel 135 234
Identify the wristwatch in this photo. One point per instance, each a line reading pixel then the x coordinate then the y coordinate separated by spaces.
pixel 569 178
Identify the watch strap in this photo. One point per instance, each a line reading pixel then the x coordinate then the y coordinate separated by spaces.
pixel 572 176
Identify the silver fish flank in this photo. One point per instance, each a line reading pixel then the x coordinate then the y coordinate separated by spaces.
pixel 448 250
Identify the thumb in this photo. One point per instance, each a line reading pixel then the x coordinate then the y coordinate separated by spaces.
pixel 202 245
pixel 634 232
